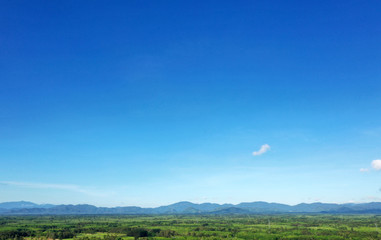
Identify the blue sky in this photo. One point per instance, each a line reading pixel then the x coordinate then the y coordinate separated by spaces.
pixel 149 102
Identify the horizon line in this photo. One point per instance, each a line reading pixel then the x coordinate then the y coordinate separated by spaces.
pixel 116 206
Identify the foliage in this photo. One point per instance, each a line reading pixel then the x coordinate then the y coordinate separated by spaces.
pixel 121 227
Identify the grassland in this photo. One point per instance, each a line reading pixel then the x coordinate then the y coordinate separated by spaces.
pixel 191 227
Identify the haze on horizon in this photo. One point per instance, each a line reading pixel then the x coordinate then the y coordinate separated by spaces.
pixel 149 103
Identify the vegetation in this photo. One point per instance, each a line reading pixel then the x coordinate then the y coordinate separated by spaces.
pixel 191 227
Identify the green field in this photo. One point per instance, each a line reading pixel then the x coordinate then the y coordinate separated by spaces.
pixel 191 227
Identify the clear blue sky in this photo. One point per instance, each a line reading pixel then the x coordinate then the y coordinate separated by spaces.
pixel 152 102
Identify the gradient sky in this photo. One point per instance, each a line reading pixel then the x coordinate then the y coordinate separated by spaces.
pixel 147 103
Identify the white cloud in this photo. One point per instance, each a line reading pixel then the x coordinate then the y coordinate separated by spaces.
pixel 264 148
pixel 364 170
pixel 68 187
pixel 376 164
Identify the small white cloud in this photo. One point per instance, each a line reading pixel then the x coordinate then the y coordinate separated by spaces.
pixel 376 164
pixel 264 148
pixel 364 170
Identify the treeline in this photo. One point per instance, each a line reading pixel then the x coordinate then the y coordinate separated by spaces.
pixel 16 234
pixel 135 232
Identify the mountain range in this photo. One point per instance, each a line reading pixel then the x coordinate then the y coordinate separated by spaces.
pixel 29 208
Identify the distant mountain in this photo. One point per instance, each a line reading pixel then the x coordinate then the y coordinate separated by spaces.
pixel 29 208
pixel 316 207
pixel 230 211
pixel 175 208
pixel 181 207
pixel 23 204
pixel 265 207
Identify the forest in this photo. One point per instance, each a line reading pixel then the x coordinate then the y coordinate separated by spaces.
pixel 118 227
